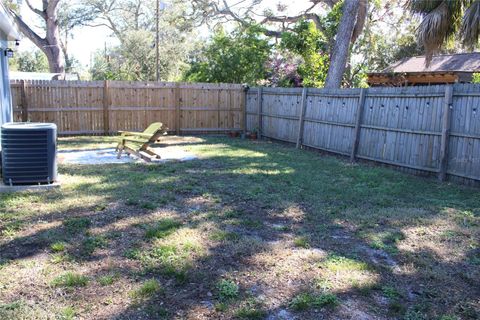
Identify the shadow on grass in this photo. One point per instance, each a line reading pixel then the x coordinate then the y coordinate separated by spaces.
pixel 251 198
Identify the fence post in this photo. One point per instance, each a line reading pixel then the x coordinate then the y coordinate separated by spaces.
pixel 358 123
pixel 244 106
pixel 23 97
pixel 447 111
pixel 106 107
pixel 301 121
pixel 177 108
pixel 259 109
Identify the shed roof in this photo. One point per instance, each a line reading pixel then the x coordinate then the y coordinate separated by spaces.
pixel 460 62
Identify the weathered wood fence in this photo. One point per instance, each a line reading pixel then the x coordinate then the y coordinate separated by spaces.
pixel 105 107
pixel 432 129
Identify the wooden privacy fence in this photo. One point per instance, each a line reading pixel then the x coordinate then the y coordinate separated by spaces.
pixel 432 129
pixel 105 107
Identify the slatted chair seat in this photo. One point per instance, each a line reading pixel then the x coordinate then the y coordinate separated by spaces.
pixel 138 143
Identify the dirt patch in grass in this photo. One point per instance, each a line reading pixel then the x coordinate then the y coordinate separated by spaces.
pixel 248 231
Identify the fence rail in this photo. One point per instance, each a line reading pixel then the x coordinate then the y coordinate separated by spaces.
pixel 433 129
pixel 105 107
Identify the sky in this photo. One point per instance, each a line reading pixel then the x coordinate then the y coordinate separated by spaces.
pixel 87 40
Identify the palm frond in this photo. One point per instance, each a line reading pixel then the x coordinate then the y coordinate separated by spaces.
pixel 423 6
pixel 434 30
pixel 470 29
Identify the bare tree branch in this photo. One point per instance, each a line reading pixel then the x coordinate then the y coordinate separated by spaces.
pixel 37 11
pixel 28 32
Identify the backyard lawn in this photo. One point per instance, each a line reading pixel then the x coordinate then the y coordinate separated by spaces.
pixel 250 230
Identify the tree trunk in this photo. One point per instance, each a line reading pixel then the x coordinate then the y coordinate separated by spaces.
pixel 341 47
pixel 50 45
pixel 56 59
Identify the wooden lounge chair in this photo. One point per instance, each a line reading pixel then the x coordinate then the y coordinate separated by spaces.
pixel 138 143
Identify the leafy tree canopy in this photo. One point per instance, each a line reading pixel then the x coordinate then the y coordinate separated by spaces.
pixel 29 61
pixel 239 57
pixel 308 42
pixel 133 23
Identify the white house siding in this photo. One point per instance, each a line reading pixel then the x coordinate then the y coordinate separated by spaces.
pixel 8 32
pixel 5 97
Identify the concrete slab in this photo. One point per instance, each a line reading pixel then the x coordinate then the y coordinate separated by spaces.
pixel 30 188
pixel 92 156
pixel 173 153
pixel 109 156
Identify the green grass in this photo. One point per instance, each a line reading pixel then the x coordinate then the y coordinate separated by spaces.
pixel 108 279
pixel 133 253
pixel 337 263
pixel 227 290
pixel 67 313
pixel 148 289
pixel 17 310
pixel 390 292
pixel 77 225
pixel 386 241
pixel 70 280
pixel 10 306
pixel 301 242
pixel 221 235
pixel 162 228
pixel 234 213
pixel 62 257
pixel 306 300
pixel 168 259
pixel 251 309
pixel 252 223
pixel 58 246
pixel 91 243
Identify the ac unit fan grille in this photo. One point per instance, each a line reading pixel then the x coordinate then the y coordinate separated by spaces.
pixel 26 155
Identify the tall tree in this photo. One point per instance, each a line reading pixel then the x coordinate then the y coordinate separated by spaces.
pixel 341 48
pixel 50 44
pixel 443 20
pixel 133 22
pixel 275 22
pixel 71 15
